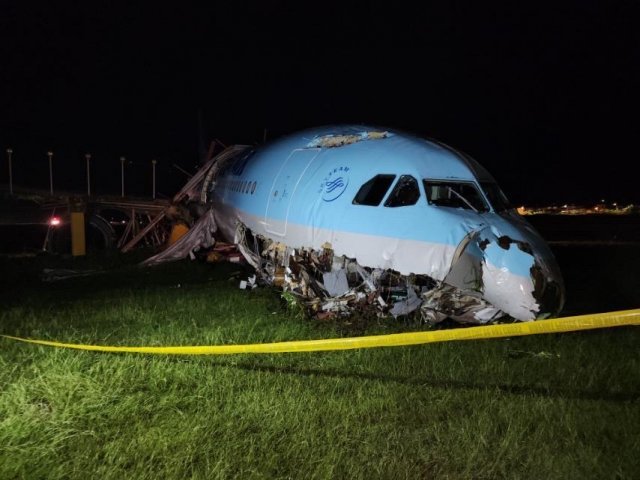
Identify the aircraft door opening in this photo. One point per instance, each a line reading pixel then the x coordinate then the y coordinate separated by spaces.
pixel 284 187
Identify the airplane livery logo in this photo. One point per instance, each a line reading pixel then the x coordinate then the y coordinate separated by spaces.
pixel 335 183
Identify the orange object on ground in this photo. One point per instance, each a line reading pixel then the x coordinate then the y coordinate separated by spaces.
pixel 78 241
pixel 178 231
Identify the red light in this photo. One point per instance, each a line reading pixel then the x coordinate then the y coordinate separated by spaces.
pixel 54 221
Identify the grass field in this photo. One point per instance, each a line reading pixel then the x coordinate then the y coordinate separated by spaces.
pixel 557 406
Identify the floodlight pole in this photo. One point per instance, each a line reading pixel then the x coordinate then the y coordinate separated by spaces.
pixel 122 160
pixel 87 156
pixel 50 155
pixel 9 152
pixel 153 163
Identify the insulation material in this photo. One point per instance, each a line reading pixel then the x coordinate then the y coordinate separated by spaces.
pixel 200 236
pixel 339 140
pixel 328 284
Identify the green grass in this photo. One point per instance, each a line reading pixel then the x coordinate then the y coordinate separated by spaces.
pixel 548 407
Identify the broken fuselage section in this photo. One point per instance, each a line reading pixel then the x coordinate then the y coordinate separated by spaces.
pixel 353 217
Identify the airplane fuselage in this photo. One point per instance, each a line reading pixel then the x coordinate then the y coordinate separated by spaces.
pixel 395 201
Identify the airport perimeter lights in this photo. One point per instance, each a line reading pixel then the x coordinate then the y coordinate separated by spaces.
pixel 87 156
pixel 153 163
pixel 50 155
pixel 9 152
pixel 122 160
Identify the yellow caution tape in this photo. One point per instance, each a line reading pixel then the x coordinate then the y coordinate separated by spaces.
pixel 567 324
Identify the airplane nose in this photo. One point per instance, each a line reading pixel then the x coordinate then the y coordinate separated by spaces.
pixel 511 268
pixel 520 275
pixel 548 291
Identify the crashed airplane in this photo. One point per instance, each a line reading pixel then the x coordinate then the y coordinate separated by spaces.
pixel 355 218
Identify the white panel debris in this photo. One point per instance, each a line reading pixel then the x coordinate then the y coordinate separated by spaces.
pixel 335 282
pixel 408 305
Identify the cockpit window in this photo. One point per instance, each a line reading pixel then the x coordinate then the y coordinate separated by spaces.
pixel 405 192
pixel 455 195
pixel 374 190
pixel 496 197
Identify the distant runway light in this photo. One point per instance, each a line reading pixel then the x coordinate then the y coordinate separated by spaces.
pixel 54 221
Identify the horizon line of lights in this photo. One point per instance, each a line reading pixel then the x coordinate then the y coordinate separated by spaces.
pixel 573 209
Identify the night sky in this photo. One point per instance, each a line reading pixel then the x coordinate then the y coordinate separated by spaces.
pixel 545 96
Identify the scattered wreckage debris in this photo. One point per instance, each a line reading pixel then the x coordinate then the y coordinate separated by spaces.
pixel 330 286
pixel 339 140
pixel 224 252
pixel 55 274
pixel 188 203
pixel 327 286
pixel 199 236
pixel 193 222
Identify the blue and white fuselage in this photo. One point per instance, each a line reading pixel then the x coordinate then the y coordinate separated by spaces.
pixel 394 201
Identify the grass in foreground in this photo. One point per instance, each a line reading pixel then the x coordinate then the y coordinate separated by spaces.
pixel 549 406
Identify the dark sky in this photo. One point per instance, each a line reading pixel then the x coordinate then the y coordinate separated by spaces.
pixel 543 95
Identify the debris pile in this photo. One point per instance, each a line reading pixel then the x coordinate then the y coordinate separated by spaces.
pixel 330 286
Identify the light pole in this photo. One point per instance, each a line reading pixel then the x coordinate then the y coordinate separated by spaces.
pixel 9 152
pixel 50 155
pixel 122 160
pixel 153 163
pixel 87 156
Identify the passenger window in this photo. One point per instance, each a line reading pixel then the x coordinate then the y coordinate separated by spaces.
pixel 372 192
pixel 405 193
pixel 455 195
